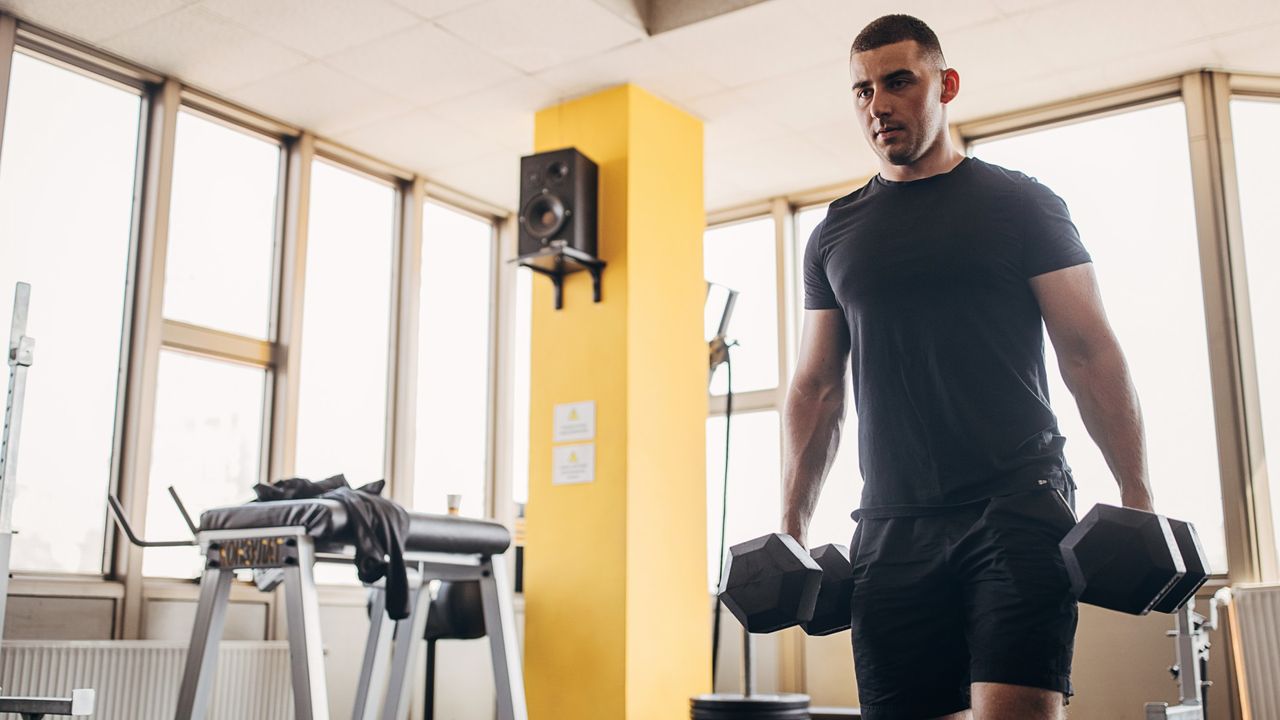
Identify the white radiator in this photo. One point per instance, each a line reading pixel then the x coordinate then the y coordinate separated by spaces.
pixel 1255 634
pixel 139 679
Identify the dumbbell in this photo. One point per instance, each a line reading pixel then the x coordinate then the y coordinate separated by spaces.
pixel 771 583
pixel 1134 561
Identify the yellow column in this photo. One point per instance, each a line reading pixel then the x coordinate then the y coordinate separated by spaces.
pixel 616 609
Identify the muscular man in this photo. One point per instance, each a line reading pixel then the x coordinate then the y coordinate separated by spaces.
pixel 934 278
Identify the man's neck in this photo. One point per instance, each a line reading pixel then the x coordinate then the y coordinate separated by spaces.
pixel 939 159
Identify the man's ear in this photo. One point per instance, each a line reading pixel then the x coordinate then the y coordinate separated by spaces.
pixel 950 85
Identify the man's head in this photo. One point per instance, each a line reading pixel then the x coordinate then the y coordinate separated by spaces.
pixel 901 85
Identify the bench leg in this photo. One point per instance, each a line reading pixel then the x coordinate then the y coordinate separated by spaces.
pixel 310 701
pixel 202 652
pixel 373 671
pixel 500 625
pixel 409 632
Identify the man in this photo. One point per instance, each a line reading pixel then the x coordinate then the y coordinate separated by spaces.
pixel 936 276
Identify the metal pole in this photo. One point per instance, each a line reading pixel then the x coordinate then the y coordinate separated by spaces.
pixel 748 672
pixel 21 350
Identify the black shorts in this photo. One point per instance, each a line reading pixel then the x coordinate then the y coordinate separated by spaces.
pixel 977 593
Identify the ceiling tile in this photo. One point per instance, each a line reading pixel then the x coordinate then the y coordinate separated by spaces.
pixel 803 99
pixel 431 9
pixel 315 27
pixel 203 49
pixel 419 139
pixel 494 178
pixel 1073 35
pixel 1254 50
pixel 320 98
pixel 846 19
pixel 757 42
pixel 1222 16
pixel 424 65
pixel 502 114
pixel 643 62
pixel 538 35
pixel 92 21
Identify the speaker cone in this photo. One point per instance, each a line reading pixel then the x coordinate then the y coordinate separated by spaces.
pixel 543 216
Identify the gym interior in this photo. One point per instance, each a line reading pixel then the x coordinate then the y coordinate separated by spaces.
pixel 478 253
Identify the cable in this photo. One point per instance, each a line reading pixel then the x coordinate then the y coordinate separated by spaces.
pixel 724 511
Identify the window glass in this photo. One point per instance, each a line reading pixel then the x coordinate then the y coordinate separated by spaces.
pixel 1254 124
pixel 222 227
pixel 453 361
pixel 207 445
pixel 342 401
pixel 1139 225
pixel 742 257
pixel 66 209
pixel 755 482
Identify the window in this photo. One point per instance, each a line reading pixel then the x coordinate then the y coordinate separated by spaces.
pixel 741 256
pixel 755 486
pixel 346 313
pixel 453 361
pixel 66 207
pixel 1139 225
pixel 1254 123
pixel 222 228
pixel 207 443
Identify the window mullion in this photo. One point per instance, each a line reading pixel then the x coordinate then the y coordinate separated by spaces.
pixel 291 282
pixel 145 339
pixel 1217 219
pixel 402 385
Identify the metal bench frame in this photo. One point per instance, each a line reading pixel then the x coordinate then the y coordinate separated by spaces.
pixel 293 551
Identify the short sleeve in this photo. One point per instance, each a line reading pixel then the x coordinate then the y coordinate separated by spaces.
pixel 1050 239
pixel 818 294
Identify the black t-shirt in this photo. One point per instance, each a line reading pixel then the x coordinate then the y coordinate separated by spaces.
pixel 947 345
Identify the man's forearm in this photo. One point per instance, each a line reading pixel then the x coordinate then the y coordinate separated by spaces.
pixel 811 434
pixel 1109 407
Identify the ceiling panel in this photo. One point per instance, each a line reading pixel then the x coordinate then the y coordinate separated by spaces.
pixel 537 35
pixel 315 27
pixel 320 98
pixel 494 178
pixel 1254 50
pixel 431 9
pixel 424 65
pixel 92 21
pixel 420 139
pixel 504 113
pixel 805 98
pixel 642 62
pixel 203 49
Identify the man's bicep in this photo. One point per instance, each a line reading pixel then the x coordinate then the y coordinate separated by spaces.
pixel 824 347
pixel 1071 304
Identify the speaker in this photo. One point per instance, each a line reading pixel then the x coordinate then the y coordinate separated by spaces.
pixel 558 192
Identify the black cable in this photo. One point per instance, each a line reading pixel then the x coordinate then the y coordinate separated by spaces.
pixel 724 512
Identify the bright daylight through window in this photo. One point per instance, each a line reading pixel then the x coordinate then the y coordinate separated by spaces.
pixel 1139 226
pixel 68 235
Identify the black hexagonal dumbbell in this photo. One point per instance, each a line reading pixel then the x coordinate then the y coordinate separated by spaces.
pixel 771 583
pixel 1133 561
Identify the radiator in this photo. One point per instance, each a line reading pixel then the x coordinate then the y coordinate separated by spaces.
pixel 139 679
pixel 1255 636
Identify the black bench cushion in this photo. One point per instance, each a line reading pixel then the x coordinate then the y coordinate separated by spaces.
pixel 326 521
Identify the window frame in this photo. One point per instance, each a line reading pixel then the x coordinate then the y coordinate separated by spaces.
pixel 145 331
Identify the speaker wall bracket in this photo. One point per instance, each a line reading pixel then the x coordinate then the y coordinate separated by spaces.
pixel 560 259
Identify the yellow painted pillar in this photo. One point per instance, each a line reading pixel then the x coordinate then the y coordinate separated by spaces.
pixel 616 609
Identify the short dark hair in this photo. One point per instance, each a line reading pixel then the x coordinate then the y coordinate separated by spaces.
pixel 890 29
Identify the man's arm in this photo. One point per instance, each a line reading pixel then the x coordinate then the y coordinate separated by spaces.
pixel 813 416
pixel 1095 371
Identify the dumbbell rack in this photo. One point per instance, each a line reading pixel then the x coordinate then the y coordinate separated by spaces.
pixel 1191 661
pixel 21 351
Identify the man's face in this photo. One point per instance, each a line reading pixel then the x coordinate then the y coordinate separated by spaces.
pixel 899 93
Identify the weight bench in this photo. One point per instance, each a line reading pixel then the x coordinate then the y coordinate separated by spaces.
pixel 286 538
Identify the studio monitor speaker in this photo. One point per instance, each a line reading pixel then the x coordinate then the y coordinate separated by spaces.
pixel 558 192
